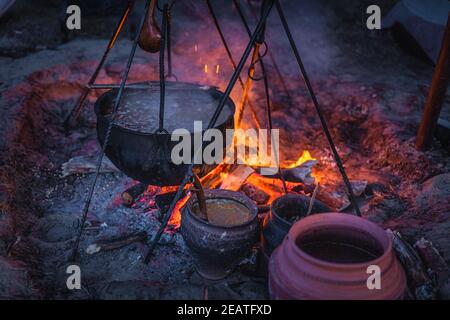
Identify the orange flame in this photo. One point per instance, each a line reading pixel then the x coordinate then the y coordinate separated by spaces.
pixel 306 156
pixel 175 218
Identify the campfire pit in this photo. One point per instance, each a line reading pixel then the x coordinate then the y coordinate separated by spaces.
pixel 373 122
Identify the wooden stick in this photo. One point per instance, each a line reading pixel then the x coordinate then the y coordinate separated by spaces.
pixel 436 94
pixel 108 245
pixel 312 200
pixel 200 198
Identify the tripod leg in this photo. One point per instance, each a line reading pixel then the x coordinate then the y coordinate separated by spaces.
pixel 337 158
pixel 72 119
pixel 211 124
pixel 117 101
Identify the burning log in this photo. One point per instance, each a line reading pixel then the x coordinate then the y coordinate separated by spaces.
pixel 298 172
pixel 113 244
pixel 419 282
pixel 336 196
pixel 214 178
pixel 200 198
pixel 86 164
pixel 130 195
pixel 254 193
pixel 301 173
pixel 234 180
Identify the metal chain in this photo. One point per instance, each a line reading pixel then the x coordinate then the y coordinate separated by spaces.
pixel 162 81
pixel 258 61
pixel 169 46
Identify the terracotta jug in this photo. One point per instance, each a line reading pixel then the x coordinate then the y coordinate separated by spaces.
pixel 336 256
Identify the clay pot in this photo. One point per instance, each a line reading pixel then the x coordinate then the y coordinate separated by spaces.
pixel 326 256
pixel 216 249
pixel 279 220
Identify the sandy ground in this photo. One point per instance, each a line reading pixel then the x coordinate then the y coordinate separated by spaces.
pixel 371 90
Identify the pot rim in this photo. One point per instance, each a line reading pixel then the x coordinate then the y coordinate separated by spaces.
pixel 98 104
pixel 223 194
pixel 319 218
pixel 286 196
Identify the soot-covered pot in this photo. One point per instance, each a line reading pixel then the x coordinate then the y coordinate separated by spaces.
pixel 141 153
pixel 217 249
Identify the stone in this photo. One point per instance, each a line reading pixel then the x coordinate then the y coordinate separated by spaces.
pixel 434 197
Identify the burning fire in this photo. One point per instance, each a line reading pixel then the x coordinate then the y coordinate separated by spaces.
pixel 271 186
pixel 306 156
pixel 175 218
pixel 215 67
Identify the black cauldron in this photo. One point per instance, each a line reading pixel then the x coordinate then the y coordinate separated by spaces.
pixel 146 156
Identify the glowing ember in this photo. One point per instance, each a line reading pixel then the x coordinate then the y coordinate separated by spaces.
pixel 175 218
pixel 273 187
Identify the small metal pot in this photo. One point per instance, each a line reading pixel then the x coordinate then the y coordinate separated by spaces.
pixel 217 250
pixel 277 224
